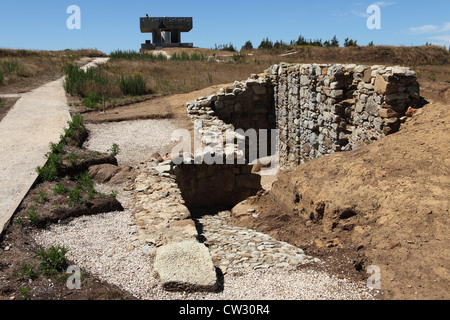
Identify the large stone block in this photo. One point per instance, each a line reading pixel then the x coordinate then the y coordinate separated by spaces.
pixel 185 266
pixel 384 87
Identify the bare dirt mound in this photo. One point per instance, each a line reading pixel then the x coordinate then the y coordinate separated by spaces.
pixel 386 204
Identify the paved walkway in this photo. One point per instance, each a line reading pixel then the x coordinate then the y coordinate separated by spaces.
pixel 37 119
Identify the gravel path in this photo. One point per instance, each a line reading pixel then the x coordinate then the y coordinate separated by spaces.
pixel 106 246
pixel 137 140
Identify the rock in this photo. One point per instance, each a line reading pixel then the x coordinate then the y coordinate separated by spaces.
pixel 387 113
pixel 185 266
pixel 103 173
pixel 410 112
pixel 125 174
pixel 384 87
pixel 251 181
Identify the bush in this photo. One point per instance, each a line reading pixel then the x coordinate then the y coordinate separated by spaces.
pixel 225 47
pixel 77 80
pixel 32 214
pixel 115 149
pixel 133 55
pixel 2 77
pixel 52 260
pixel 92 100
pixel 49 171
pixel 134 85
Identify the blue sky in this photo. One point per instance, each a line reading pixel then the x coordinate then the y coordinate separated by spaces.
pixel 113 24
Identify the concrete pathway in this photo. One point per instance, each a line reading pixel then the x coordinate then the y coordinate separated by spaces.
pixel 37 119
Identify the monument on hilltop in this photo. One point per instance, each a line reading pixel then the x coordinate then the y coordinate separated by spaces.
pixel 166 32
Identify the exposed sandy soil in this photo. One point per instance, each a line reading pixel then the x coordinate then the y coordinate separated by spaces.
pixel 385 204
pixel 163 107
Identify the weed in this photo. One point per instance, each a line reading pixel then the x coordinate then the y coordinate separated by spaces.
pixel 133 85
pixel 113 194
pixel 74 195
pixel 1 102
pixel 32 214
pixel 73 159
pixel 84 180
pixel 26 273
pixel 9 67
pixel 56 148
pixel 19 221
pixel 43 197
pixel 92 100
pixel 24 293
pixel 134 55
pixel 59 189
pixel 50 170
pixel 2 77
pixel 432 78
pixel 115 149
pixel 52 260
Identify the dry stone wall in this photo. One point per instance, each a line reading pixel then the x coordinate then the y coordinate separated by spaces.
pixel 317 109
pixel 321 109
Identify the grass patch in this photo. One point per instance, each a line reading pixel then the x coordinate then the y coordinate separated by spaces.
pixel 134 55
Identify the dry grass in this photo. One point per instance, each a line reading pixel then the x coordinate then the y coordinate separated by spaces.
pixel 170 77
pixel 24 70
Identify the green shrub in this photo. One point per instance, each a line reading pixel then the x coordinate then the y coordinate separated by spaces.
pixel 73 159
pixel 115 149
pixel 92 100
pixel 75 196
pixel 2 77
pixel 56 148
pixel 52 260
pixel 59 189
pixel 77 79
pixel 134 85
pixel 50 170
pixel 133 55
pixel 27 273
pixel 32 214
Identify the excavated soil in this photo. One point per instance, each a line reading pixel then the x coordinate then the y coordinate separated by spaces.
pixel 385 204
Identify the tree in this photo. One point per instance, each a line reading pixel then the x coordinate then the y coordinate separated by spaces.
pixel 334 42
pixel 301 41
pixel 247 46
pixel 350 43
pixel 266 44
pixel 370 44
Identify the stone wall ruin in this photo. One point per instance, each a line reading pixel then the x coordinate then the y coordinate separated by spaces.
pixel 317 109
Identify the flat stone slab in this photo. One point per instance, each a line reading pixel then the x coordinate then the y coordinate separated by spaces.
pixel 185 266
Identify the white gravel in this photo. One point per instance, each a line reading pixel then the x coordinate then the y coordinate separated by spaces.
pixel 106 246
pixel 137 140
